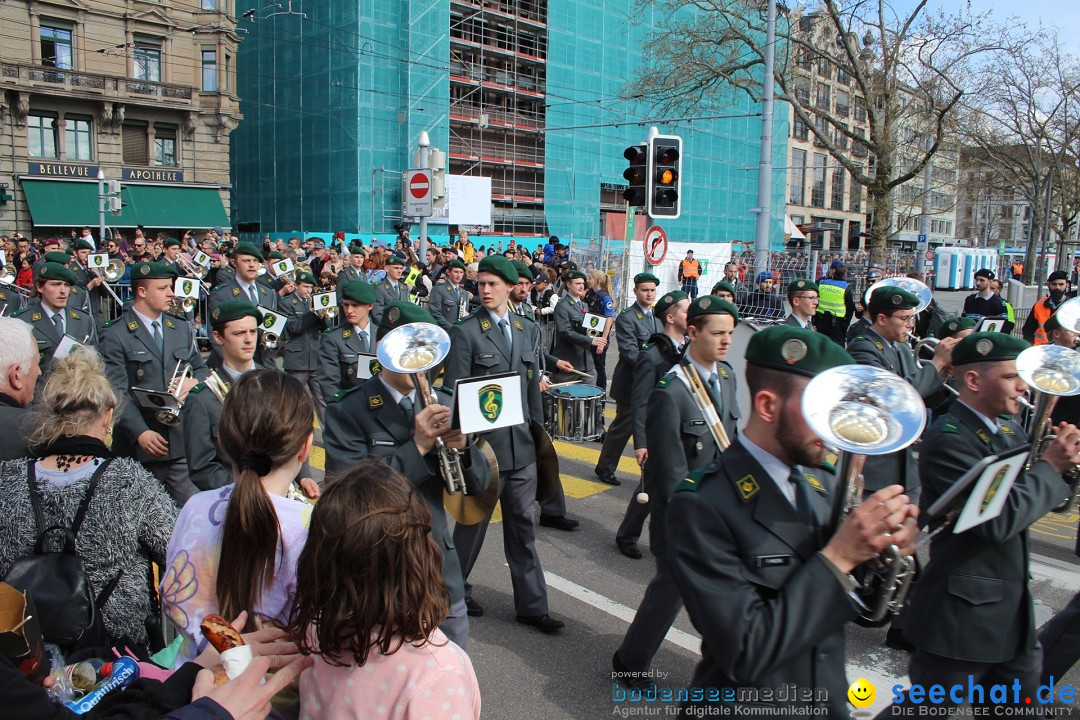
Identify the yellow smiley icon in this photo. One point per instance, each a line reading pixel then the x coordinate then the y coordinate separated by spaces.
pixel 861 694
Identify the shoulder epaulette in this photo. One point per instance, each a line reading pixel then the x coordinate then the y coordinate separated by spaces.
pixel 216 288
pixel 329 330
pixel 110 323
pixel 664 381
pixel 17 313
pixel 448 390
pixel 340 394
pixel 197 389
pixel 950 426
pixel 691 482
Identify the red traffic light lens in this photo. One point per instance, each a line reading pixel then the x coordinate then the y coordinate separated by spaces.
pixel 633 175
pixel 637 154
pixel 667 156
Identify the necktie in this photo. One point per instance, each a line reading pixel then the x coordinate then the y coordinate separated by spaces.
pixel 254 295
pixel 158 339
pixel 802 498
pixel 364 340
pixel 504 325
pixel 58 321
pixel 714 390
pixel 406 405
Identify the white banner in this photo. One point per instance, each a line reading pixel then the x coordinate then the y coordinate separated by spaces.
pixel 273 322
pixel 489 402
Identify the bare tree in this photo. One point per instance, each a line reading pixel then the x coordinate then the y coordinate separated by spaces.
pixel 707 48
pixel 1026 123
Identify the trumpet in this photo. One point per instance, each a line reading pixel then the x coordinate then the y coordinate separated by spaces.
pixel 863 410
pixel 111 273
pixel 328 313
pixel 171 416
pixel 931 343
pixel 270 340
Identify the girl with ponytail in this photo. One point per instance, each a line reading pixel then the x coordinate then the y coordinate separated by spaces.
pixel 235 548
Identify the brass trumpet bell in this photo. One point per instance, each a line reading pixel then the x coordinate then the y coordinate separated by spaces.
pixel 913 286
pixel 1050 369
pixel 113 271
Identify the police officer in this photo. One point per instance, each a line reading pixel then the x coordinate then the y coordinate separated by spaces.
pixel 971 614
pixel 680 441
pixel 765 586
pixel 836 303
pixel 303 332
pixel 656 358
pixel 489 341
pixel 51 317
pixel 633 328
pixel 391 288
pixel 802 295
pixel 339 347
pixel 244 285
pixel 385 418
pixel 141 349
pixel 572 343
pixel 446 300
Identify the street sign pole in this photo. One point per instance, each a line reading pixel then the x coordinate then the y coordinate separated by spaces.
pixel 425 143
pixel 101 208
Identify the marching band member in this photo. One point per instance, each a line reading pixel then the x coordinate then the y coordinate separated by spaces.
pixel 385 418
pixel 141 349
pixel 448 301
pixel 243 285
pixel 680 440
pixel 391 289
pixel 51 317
pixel 803 297
pixel 656 358
pixel 633 328
pixel 303 333
pixel 971 613
pixel 767 590
pixel 171 256
pixel 339 346
pixel 572 343
pixel 354 270
pixel 491 341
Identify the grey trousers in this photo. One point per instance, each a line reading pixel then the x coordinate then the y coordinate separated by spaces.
pixel 174 475
pixel 556 504
pixel 309 380
pixel 633 522
pixel 1060 639
pixel 655 615
pixel 456 625
pixel 622 427
pixel 517 495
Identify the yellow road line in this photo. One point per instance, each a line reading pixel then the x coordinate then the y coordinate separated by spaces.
pixel 591 453
pixel 574 487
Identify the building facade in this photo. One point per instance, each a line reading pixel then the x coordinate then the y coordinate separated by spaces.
pixel 144 92
pixel 991 211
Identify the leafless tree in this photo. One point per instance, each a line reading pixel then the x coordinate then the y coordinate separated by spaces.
pixel 909 68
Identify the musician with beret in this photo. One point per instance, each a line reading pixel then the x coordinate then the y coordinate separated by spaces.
pixel 303 333
pixel 764 584
pixel 802 295
pixel 385 418
pixel 52 318
pixel 572 343
pixel 243 285
pixel 391 288
pixel 682 438
pixel 448 301
pixel 340 347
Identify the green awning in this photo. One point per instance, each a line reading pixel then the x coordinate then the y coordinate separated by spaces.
pixel 59 203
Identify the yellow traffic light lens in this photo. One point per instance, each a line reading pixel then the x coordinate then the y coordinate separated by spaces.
pixel 667 177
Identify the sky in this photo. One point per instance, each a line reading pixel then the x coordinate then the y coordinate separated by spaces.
pixel 1061 14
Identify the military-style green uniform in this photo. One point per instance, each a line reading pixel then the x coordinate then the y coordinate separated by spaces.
pixel 338 351
pixel 300 346
pixel 571 342
pixel 199 420
pixel 76 323
pixel 230 289
pixel 11 301
pixel 387 292
pixel 444 304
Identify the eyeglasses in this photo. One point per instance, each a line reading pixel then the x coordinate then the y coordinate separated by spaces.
pixel 906 319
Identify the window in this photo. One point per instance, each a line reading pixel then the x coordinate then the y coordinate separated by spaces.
pixel 797 177
pixel 136 151
pixel 860 110
pixel 209 4
pixel 817 192
pixel 822 126
pixel 824 69
pixel 165 145
pixel 209 70
pixel 41 135
pixel 56 46
pixel 842 76
pixel 838 188
pixel 228 72
pixel 78 142
pixel 148 60
pixel 802 91
pixel 843 105
pixel 823 96
pixel 799 131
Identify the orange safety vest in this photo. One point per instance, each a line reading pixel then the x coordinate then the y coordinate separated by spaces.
pixel 1042 314
pixel 690 268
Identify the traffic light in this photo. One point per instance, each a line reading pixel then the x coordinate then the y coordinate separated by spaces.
pixel 637 175
pixel 665 177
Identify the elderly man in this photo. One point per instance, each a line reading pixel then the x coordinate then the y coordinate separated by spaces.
pixel 19 372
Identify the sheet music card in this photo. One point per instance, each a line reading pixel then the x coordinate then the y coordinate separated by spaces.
pixel 488 402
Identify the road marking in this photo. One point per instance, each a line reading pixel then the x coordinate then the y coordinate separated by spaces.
pixel 675 636
pixel 317 458
pixel 587 454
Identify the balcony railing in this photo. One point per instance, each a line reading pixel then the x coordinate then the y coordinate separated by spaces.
pixel 114 86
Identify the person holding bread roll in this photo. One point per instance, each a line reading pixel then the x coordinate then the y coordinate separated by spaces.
pixel 235 548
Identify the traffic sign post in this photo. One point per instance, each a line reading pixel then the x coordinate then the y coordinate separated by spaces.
pixel 416 192
pixel 655 245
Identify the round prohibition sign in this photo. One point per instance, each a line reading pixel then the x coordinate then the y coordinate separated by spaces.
pixel 419 186
pixel 655 245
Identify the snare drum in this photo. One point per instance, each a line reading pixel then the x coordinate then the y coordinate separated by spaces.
pixel 574 413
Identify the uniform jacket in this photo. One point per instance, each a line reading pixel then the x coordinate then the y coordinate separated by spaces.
pixel 10 301
pixel 199 421
pixel 444 304
pixel 869 348
pixel 571 341
pixel 349 274
pixel 338 351
pixel 229 289
pixel 365 421
pixel 303 331
pixel 475 351
pixel 78 324
pixel 133 359
pixel 769 607
pixel 633 328
pixel 794 322
pixel 387 293
pixel 972 601
pixel 654 362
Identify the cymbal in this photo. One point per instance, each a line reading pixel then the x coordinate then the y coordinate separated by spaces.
pixel 547 463
pixel 472 509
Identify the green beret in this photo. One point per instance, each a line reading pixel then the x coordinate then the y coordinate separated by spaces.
pixel 233 310
pixel 170 242
pixel 954 325
pixel 246 248
pixel 725 286
pixel 575 274
pixel 455 263
pixel 646 278
pixel 356 249
pixel 153 271
pixel 358 291
pixel 60 258
pixel 524 271
pixel 796 350
pixel 56 271
pixel 499 265
pixel 987 346
pixel 668 299
pixel 303 277
pixel 81 244
pixel 276 256
pixel 1054 323
pixel 710 305
pixel 890 297
pixel 801 285
pixel 394 260
pixel 400 313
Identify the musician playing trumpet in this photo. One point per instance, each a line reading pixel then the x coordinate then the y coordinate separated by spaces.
pixel 303 331
pixel 763 582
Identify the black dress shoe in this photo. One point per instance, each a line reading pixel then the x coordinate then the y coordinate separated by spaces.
pixel 473 608
pixel 559 522
pixel 630 550
pixel 627 677
pixel 607 477
pixel 896 640
pixel 544 623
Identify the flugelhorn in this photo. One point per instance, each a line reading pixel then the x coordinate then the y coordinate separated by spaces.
pixel 413 349
pixel 931 343
pixel 171 416
pixel 916 287
pixel 863 410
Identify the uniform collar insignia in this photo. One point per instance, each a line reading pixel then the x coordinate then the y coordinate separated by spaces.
pixel 1005 428
pixel 748 487
pixel 485 325
pixel 983 435
pixel 73 314
pixel 236 291
pixel 346 334
pixel 812 480
pixel 169 323
pixel 879 345
pixel 35 317
pixel 517 324
pixel 723 372
pixel 133 325
pixel 375 401
pixel 639 315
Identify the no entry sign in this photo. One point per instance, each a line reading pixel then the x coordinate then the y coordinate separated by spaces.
pixel 416 193
pixel 655 245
